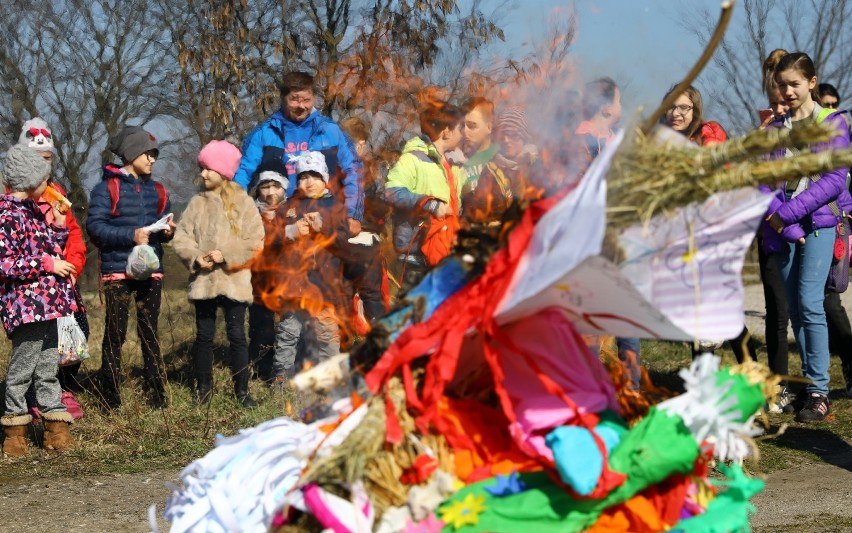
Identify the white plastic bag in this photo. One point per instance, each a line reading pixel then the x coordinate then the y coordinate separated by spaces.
pixel 160 225
pixel 142 262
pixel 72 346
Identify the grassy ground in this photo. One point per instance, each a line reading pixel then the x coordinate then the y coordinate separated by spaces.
pixel 137 438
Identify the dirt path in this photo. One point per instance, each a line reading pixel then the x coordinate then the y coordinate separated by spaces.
pixel 111 503
pixel 807 498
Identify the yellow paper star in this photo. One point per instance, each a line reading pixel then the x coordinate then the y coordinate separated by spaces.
pixel 465 512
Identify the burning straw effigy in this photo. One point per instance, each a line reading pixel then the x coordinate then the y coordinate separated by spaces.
pixel 476 405
pixel 451 418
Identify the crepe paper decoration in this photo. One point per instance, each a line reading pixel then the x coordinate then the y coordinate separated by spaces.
pixel 430 524
pixel 506 485
pixel 577 458
pixel 658 446
pixel 248 478
pixel 558 244
pixel 337 514
pixel 688 265
pixel 731 508
pixel 279 519
pixel 424 499
pixel 582 381
pixel 699 496
pixel 482 448
pixel 653 293
pixel 420 471
pixel 636 515
pixel 463 512
pixel 244 481
pixel 669 497
pixel 718 407
pixel 544 507
pixel 393 520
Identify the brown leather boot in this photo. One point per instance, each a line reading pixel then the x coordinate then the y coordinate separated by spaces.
pixel 15 428
pixel 56 430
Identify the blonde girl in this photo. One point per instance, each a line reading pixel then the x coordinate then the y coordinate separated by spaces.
pixel 217 236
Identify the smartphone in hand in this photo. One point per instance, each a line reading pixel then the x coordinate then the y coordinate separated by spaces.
pixel 765 115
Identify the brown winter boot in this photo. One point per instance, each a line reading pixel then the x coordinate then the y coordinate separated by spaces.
pixel 15 428
pixel 56 430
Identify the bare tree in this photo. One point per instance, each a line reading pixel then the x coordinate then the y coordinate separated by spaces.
pixel 230 55
pixel 370 57
pixel 86 67
pixel 816 27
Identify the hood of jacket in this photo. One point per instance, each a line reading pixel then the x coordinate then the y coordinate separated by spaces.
pixel 420 145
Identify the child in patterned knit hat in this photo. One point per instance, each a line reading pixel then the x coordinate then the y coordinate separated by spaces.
pixel 35 290
pixel 37 135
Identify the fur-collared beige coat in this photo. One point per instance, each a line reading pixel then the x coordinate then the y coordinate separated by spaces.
pixel 204 227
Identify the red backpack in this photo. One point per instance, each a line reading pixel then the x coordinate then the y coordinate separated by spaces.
pixel 114 187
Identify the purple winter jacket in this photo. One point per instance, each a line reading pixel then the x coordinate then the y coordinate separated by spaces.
pixel 811 205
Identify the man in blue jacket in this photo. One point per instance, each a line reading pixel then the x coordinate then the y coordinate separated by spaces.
pixel 298 127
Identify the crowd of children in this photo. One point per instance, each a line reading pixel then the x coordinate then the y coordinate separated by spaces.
pixel 289 229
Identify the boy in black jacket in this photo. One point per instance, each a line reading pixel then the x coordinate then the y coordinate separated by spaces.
pixel 315 239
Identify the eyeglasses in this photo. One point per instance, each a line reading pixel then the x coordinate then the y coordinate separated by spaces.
pixel 831 105
pixel 34 132
pixel 299 100
pixel 682 109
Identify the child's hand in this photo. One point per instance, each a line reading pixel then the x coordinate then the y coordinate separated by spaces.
pixel 140 236
pixel 304 227
pixel 204 263
pixel 442 211
pixel 315 220
pixel 215 257
pixel 354 227
pixel 63 268
pixel 172 226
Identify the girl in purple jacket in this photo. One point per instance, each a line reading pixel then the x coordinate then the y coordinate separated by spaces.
pixel 803 214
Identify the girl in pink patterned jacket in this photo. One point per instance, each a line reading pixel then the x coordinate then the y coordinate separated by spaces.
pixel 35 290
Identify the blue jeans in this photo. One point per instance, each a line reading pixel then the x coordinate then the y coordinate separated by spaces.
pixel 804 268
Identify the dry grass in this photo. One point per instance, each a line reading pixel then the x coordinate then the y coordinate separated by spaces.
pixel 138 438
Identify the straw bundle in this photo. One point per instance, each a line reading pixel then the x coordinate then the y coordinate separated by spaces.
pixel 348 461
pixel 648 176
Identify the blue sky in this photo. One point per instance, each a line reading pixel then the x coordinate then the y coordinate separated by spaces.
pixel 639 43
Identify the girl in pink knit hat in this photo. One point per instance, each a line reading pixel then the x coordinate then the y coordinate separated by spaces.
pixel 218 235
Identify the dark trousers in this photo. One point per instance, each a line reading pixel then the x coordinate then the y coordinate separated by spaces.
pixel 146 295
pixel 777 316
pixel 367 278
pixel 411 275
pixel 205 329
pixel 839 333
pixel 261 340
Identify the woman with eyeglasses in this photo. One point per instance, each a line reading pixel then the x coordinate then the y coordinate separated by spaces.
pixel 686 116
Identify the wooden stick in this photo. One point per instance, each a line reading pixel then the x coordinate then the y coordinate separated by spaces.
pixel 715 39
